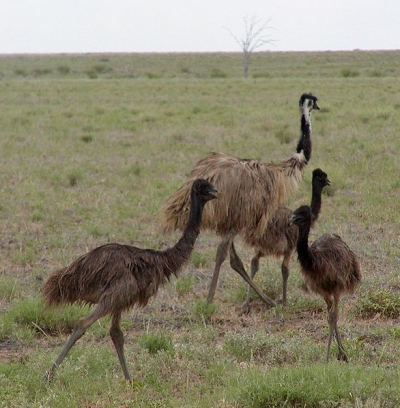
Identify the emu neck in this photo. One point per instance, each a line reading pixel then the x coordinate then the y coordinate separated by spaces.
pixel 180 253
pixel 305 134
pixel 315 201
pixel 303 250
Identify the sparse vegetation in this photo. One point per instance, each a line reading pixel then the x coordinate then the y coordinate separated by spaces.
pixel 89 162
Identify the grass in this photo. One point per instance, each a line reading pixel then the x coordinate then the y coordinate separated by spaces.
pixel 92 145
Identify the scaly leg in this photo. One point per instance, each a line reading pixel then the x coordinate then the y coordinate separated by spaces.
pixel 237 265
pixel 79 330
pixel 222 253
pixel 118 339
pixel 255 262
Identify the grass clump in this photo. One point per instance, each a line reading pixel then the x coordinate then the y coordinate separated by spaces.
pixel 30 314
pixel 184 285
pixel 383 302
pixel 156 342
pixel 315 386
pixel 204 310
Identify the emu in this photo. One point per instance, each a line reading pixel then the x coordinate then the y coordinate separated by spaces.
pixel 330 269
pixel 115 277
pixel 253 191
pixel 280 237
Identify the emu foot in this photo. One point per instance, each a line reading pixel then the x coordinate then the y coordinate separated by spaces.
pixel 342 357
pixel 49 376
pixel 245 309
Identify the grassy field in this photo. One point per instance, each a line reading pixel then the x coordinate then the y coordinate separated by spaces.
pixel 92 146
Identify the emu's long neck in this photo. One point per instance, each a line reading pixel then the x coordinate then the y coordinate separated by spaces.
pixel 179 254
pixel 303 250
pixel 316 201
pixel 305 143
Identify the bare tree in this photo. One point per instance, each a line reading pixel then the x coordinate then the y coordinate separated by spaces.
pixel 254 38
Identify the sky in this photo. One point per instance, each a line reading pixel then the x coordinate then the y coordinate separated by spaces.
pixel 93 26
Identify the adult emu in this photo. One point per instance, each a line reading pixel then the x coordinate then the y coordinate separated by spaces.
pixel 330 269
pixel 253 191
pixel 280 237
pixel 115 277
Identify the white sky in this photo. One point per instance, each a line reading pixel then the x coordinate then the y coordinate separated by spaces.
pixel 75 26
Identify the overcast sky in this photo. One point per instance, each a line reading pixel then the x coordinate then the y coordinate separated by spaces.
pixel 76 26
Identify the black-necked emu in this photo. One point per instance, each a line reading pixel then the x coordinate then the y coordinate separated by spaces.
pixel 330 269
pixel 280 237
pixel 116 277
pixel 253 192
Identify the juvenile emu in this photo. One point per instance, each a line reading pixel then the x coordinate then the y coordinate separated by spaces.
pixel 280 237
pixel 115 277
pixel 253 191
pixel 330 269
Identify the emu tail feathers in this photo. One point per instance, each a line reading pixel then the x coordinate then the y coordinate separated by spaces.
pixel 55 290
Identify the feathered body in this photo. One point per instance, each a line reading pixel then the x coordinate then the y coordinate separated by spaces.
pixel 115 277
pixel 115 274
pixel 252 193
pixel 280 237
pixel 330 269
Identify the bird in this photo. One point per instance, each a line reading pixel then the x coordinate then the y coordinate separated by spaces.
pixel 330 269
pixel 115 277
pixel 253 191
pixel 280 237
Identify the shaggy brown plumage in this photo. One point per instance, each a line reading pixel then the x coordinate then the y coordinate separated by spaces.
pixel 280 237
pixel 330 269
pixel 115 277
pixel 253 191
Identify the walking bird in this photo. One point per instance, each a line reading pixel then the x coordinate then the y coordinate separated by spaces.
pixel 330 269
pixel 115 277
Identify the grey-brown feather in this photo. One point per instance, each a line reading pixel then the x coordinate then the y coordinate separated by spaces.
pixel 335 268
pixel 252 192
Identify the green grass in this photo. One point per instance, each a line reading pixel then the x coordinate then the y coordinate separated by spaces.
pixel 92 146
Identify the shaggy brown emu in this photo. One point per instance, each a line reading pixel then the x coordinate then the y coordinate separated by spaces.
pixel 116 277
pixel 253 191
pixel 280 237
pixel 330 269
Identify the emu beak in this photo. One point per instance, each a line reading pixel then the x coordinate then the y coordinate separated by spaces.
pixel 214 190
pixel 292 219
pixel 328 182
pixel 316 106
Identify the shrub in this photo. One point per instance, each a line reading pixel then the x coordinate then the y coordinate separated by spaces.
pixel 63 69
pixel 349 73
pixel 217 73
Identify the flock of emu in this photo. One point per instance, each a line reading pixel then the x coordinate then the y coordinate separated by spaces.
pixel 246 199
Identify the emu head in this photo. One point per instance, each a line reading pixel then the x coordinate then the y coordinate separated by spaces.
pixel 204 190
pixel 301 216
pixel 307 103
pixel 320 177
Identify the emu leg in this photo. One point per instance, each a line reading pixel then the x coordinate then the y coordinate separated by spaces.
pixel 118 339
pixel 79 330
pixel 255 262
pixel 285 276
pixel 342 356
pixel 237 265
pixel 333 330
pixel 222 253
